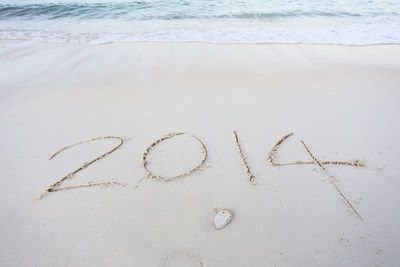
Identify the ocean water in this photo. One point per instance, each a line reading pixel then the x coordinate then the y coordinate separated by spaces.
pixel 216 21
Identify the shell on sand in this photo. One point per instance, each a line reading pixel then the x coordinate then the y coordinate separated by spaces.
pixel 222 218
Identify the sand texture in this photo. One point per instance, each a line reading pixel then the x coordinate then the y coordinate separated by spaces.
pixel 110 119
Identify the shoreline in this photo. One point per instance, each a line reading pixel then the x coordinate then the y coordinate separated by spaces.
pixel 2 42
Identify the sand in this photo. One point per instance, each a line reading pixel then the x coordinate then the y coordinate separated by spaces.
pixel 342 101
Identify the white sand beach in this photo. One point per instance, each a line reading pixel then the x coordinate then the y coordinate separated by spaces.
pixel 342 101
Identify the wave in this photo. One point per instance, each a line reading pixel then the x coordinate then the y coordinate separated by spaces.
pixel 141 10
pixel 215 21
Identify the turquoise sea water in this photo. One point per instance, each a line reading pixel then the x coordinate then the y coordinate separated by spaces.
pixel 217 21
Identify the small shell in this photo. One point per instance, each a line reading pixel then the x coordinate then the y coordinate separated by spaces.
pixel 222 218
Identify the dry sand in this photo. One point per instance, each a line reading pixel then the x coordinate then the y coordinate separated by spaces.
pixel 342 101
